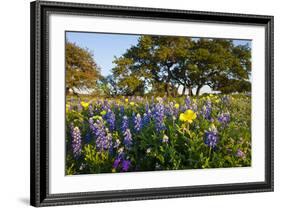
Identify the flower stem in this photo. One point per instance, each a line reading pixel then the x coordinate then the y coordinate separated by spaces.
pixel 210 152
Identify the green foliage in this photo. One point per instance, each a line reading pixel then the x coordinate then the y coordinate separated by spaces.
pixel 164 63
pixel 186 147
pixel 82 73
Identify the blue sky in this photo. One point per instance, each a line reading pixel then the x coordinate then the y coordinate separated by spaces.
pixel 106 46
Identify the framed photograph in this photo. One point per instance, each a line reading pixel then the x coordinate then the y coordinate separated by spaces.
pixel 131 103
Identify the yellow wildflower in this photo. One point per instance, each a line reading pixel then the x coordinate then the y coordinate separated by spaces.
pixel 177 106
pixel 103 112
pixel 85 104
pixel 132 103
pixel 188 116
pixel 126 100
pixel 97 117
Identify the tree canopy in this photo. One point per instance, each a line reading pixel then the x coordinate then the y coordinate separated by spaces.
pixel 82 72
pixel 164 65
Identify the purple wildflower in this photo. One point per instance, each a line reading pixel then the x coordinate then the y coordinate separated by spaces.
pixel 125 124
pixel 146 107
pixel 127 138
pixel 187 102
pixel 103 137
pixel 138 122
pixel 105 105
pixel 146 119
pixel 169 109
pixel 207 110
pixel 211 137
pixel 240 153
pixel 122 110
pixel 159 114
pixel 116 162
pixel 126 165
pixel 79 106
pixel 224 118
pixel 110 118
pixel 91 124
pixel 91 113
pixel 76 142
pixel 148 111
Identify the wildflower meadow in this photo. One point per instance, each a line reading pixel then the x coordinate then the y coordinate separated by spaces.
pixel 155 103
pixel 157 133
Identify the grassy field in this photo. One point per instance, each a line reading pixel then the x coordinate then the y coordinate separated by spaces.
pixel 157 133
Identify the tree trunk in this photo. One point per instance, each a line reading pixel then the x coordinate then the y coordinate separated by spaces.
pixel 198 90
pixel 175 90
pixel 190 93
pixel 167 89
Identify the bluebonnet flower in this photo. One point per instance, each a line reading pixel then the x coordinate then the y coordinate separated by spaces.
pixel 126 165
pixel 103 137
pixel 152 100
pixel 109 144
pixel 110 118
pixel 122 110
pixel 119 157
pixel 91 113
pixel 207 110
pixel 91 124
pixel 116 162
pixel 182 108
pixel 148 111
pixel 224 118
pixel 128 138
pixel 79 106
pixel 125 124
pixel 211 137
pixel 240 153
pixel 169 109
pixel 138 122
pixel 159 115
pixel 121 161
pixel 187 102
pixel 105 105
pixel 146 119
pixel 76 141
pixel 146 107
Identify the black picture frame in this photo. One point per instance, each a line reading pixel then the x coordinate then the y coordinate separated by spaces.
pixel 39 187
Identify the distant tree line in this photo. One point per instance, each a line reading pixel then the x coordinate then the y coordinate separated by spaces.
pixel 165 65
